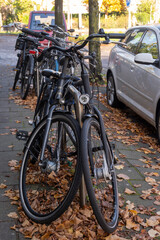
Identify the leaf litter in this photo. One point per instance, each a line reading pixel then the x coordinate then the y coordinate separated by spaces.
pixel 78 223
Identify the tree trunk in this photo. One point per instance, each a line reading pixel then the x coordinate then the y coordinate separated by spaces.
pixel 59 13
pixel 93 28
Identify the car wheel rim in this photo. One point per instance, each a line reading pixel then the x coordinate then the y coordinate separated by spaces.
pixel 110 93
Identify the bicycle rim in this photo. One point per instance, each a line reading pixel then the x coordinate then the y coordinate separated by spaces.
pixel 100 176
pixel 46 192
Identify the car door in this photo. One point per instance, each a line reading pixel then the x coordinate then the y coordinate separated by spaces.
pixel 125 67
pixel 147 78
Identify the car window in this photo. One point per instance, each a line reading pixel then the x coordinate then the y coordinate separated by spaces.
pixel 133 40
pixel 149 44
pixel 127 34
pixel 40 18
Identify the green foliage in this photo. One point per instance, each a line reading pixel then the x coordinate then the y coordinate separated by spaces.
pixel 7 11
pixel 17 10
pixel 22 7
pixel 145 10
pixel 114 21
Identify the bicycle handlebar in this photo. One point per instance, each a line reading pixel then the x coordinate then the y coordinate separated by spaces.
pixel 94 35
pixel 41 35
pixel 31 32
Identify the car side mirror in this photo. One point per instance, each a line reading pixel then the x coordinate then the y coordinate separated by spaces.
pixel 144 58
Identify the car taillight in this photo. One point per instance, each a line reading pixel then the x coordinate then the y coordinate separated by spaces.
pixel 33 52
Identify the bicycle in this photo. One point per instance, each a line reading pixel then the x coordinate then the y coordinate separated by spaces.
pixel 43 158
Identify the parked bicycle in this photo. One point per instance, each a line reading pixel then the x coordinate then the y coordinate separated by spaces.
pixel 52 164
pixel 32 58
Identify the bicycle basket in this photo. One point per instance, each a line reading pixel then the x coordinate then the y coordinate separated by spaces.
pixel 19 44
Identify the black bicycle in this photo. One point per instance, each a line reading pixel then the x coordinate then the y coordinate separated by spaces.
pixel 51 168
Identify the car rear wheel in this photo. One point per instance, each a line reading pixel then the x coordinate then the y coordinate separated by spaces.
pixel 111 92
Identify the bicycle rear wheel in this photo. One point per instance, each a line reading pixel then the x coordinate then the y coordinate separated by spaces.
pixel 47 191
pixel 100 176
pixel 26 79
pixel 18 70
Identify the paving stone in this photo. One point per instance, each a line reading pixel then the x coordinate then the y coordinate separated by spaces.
pixel 6 233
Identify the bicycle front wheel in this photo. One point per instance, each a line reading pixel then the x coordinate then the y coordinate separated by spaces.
pixel 46 190
pixel 100 176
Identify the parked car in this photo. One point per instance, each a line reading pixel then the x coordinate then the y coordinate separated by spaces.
pixel 43 17
pixel 36 18
pixel 133 74
pixel 11 26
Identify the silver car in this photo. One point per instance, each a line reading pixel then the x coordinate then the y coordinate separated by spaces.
pixel 133 74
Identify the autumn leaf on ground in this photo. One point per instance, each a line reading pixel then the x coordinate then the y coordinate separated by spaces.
pixel 2 186
pixel 145 150
pixel 11 146
pixel 122 155
pixel 152 174
pixel 150 180
pixel 119 166
pixel 123 176
pixel 153 221
pixel 131 225
pixel 157 203
pixel 128 191
pixel 153 233
pixel 13 215
pixel 17 121
pixel 12 163
pixel 137 185
pixel 114 237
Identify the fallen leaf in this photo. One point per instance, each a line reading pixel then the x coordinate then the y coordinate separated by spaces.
pixel 114 237
pixel 157 203
pixel 150 180
pixel 137 185
pixel 2 186
pixel 119 166
pixel 131 225
pixel 12 215
pixel 10 146
pixel 12 163
pixel 128 191
pixel 152 221
pixel 17 121
pixel 123 176
pixel 153 233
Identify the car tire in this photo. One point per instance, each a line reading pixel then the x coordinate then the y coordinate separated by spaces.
pixel 111 92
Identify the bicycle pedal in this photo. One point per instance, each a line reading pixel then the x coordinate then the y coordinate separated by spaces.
pixel 22 135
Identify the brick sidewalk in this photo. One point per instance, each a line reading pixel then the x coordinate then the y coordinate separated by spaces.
pixel 10 148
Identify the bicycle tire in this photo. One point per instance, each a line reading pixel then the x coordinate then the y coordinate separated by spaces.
pixel 68 177
pixel 18 67
pixel 102 192
pixel 26 79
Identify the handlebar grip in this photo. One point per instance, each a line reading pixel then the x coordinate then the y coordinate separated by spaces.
pixel 31 32
pixel 116 35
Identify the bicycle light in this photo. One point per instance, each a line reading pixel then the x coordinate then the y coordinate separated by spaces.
pixel 84 99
